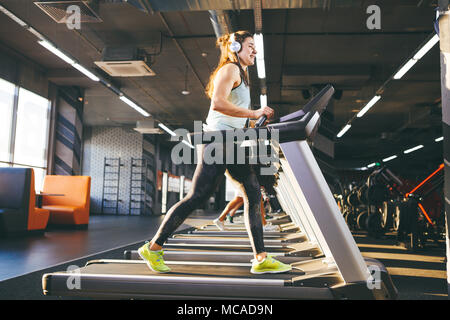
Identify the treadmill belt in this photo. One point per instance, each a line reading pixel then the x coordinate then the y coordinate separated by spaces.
pixel 229 238
pixel 236 248
pixel 184 270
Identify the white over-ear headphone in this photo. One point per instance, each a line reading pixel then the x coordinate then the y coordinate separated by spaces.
pixel 235 46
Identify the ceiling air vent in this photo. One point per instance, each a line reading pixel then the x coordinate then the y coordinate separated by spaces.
pixel 148 127
pixel 125 62
pixel 57 10
pixel 125 68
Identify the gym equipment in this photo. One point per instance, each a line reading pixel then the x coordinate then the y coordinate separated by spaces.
pixel 352 206
pixel 369 205
pixel 111 184
pixel 387 214
pixel 380 184
pixel 415 225
pixel 341 274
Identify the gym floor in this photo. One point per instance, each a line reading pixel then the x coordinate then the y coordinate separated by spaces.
pixel 417 276
pixel 23 255
pixel 420 275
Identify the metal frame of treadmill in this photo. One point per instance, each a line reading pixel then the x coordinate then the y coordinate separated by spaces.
pixel 324 219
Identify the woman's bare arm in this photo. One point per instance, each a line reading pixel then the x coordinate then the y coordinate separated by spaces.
pixel 226 77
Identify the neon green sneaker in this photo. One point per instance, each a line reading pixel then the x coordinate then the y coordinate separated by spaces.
pixel 269 265
pixel 154 259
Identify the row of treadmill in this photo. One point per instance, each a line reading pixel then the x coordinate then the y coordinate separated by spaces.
pixel 207 263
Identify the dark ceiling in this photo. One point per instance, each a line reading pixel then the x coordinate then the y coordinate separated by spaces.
pixel 307 45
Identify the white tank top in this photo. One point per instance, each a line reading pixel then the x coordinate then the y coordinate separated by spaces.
pixel 239 96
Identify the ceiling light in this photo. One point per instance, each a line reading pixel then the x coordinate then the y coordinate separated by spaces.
pixel 344 130
pixel 162 126
pixel 263 100
pixel 12 16
pixel 186 91
pixel 67 59
pixel 389 158
pixel 35 33
pixel 47 45
pixel 371 165
pixel 260 64
pixel 439 139
pixel 260 67
pixel 368 106
pixel 427 47
pixel 400 73
pixel 134 106
pixel 86 72
pixel 188 144
pixel 413 149
pixel 259 46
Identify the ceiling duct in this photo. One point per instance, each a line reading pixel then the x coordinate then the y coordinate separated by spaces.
pixel 223 22
pixel 257 12
pixel 151 6
pixel 57 10
pixel 220 22
pixel 125 62
pixel 147 127
pixel 203 5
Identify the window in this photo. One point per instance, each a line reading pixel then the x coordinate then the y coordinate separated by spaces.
pixel 7 91
pixel 24 125
pixel 30 147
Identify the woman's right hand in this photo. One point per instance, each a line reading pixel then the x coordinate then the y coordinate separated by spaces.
pixel 269 112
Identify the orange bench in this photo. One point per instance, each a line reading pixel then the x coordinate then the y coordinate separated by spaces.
pixel 73 207
pixel 37 217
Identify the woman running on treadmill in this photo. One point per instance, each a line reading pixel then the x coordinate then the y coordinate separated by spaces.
pixel 229 91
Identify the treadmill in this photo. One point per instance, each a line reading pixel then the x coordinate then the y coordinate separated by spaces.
pixel 342 273
pixel 207 243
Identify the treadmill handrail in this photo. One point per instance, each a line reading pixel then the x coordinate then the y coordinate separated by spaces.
pixel 328 90
pixel 288 131
pixel 297 120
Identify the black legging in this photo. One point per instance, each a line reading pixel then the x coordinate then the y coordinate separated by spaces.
pixel 204 183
